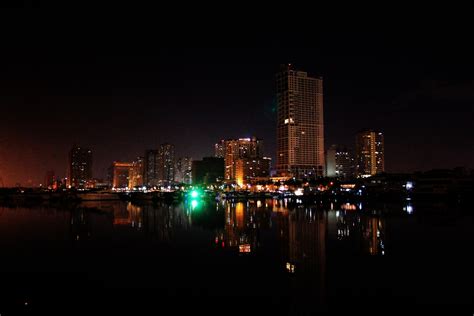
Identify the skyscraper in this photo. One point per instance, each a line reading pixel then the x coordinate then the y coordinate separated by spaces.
pixel 136 173
pixel 151 167
pixel 339 163
pixel 183 170
pixel 235 149
pixel 369 153
pixel 219 149
pixel 79 167
pixel 166 169
pixel 300 125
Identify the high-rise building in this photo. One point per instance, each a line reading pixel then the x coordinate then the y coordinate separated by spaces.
pixel 369 153
pixel 219 149
pixel 247 169
pixel 300 124
pixel 209 170
pixel 79 167
pixel 166 169
pixel 151 167
pixel 339 162
pixel 121 172
pixel 183 170
pixel 136 173
pixel 234 149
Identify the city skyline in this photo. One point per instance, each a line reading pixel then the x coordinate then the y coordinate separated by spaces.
pixel 119 103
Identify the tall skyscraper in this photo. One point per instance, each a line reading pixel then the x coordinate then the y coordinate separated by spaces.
pixel 369 153
pixel 79 167
pixel 136 173
pixel 300 124
pixel 183 170
pixel 339 162
pixel 219 149
pixel 151 167
pixel 234 149
pixel 166 169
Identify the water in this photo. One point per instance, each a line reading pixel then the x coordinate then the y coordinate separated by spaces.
pixel 265 256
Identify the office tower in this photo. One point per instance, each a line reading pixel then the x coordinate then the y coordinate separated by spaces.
pixel 369 153
pixel 209 170
pixel 121 172
pixel 166 171
pixel 136 173
pixel 151 167
pixel 183 170
pixel 79 167
pixel 339 163
pixel 219 149
pixel 234 149
pixel 300 125
pixel 247 169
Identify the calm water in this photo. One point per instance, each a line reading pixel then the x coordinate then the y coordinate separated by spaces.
pixel 234 258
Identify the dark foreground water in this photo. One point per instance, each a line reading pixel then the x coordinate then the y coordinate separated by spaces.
pixel 265 257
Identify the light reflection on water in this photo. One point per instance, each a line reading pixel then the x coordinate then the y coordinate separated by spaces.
pixel 315 251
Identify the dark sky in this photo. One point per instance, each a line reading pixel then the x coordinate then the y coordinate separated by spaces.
pixel 120 90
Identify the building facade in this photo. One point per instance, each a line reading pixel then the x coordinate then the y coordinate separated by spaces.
pixel 183 170
pixel 166 171
pixel 219 149
pixel 369 153
pixel 137 172
pixel 79 167
pixel 339 162
pixel 234 149
pixel 247 169
pixel 209 170
pixel 151 167
pixel 300 124
pixel 121 172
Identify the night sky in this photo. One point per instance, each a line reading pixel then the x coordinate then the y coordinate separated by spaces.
pixel 121 90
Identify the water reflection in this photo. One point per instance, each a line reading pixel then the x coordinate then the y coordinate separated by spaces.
pixel 304 246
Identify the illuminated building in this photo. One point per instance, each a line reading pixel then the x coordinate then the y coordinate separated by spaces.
pixel 209 170
pixel 300 125
pixel 339 163
pixel 183 170
pixel 369 153
pixel 234 149
pixel 136 173
pixel 121 172
pixel 249 168
pixel 219 149
pixel 166 170
pixel 79 167
pixel 151 167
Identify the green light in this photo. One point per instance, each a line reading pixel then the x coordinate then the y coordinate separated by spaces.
pixel 194 194
pixel 194 204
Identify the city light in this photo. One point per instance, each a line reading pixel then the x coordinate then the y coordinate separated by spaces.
pixel 194 194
